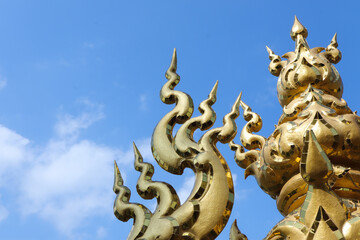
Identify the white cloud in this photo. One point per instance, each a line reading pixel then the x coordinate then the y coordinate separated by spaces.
pixel 3 82
pixel 235 177
pixel 101 232
pixel 13 151
pixel 186 188
pixel 88 45
pixel 143 102
pixel 12 146
pixel 69 125
pixel 242 194
pixel 69 179
pixel 3 213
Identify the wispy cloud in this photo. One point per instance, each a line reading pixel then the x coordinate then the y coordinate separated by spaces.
pixel 267 94
pixel 88 45
pixel 186 188
pixel 3 213
pixel 101 232
pixel 242 194
pixel 13 151
pixel 70 126
pixel 3 82
pixel 66 181
pixel 143 102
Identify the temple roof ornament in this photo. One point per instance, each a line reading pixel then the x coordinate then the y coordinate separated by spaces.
pixel 310 164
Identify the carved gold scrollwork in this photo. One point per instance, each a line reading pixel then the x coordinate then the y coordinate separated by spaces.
pixel 213 187
pixel 310 164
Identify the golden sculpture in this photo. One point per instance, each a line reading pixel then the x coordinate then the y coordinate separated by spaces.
pixel 310 164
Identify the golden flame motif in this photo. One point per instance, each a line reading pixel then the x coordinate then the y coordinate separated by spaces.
pixel 213 187
pixel 310 164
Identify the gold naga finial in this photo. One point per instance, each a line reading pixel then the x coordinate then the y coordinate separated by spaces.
pixel 213 187
pixel 310 164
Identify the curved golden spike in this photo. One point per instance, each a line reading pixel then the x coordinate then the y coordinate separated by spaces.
pixel 167 199
pixel 254 124
pixel 334 42
pixel 332 53
pixel 184 104
pixel 235 233
pixel 229 129
pixel 205 109
pixel 276 64
pixel 214 187
pixel 124 210
pixel 225 133
pixel 162 140
pixel 298 29
pixel 184 142
pixel 272 55
pixel 243 159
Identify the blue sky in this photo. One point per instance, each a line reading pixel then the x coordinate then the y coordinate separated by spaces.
pixel 80 80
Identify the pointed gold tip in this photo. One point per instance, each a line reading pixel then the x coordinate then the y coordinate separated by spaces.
pixel 298 29
pixel 237 103
pixel 116 168
pixel 118 181
pixel 239 97
pixel 138 157
pixel 272 55
pixel 173 65
pixel 334 42
pixel 269 50
pixel 214 89
pixel 244 106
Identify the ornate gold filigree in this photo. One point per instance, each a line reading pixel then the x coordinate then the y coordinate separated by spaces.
pixel 213 187
pixel 311 162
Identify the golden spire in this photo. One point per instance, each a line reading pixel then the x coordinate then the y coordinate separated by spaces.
pixel 306 66
pixel 311 162
pixel 298 29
